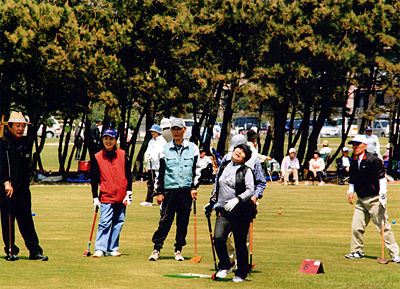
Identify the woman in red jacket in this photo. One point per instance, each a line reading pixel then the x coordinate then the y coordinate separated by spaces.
pixel 110 168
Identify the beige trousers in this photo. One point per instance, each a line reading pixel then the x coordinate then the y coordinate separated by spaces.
pixel 288 173
pixel 368 209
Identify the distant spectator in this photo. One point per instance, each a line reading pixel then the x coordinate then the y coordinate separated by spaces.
pixel 290 166
pixel 152 158
pixel 78 140
pixel 373 146
pixel 325 152
pixel 316 168
pixel 343 168
pixel 386 154
pixel 252 137
pixel 204 166
pixel 166 129
pixel 95 139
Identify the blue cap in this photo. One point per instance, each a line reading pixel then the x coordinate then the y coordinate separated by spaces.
pixel 97 121
pixel 368 128
pixel 156 128
pixel 110 132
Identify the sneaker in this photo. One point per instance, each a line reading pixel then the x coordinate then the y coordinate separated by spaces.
pixel 98 254
pixel 13 257
pixel 154 256
pixel 223 272
pixel 306 183
pixel 178 256
pixel 39 257
pixel 396 259
pixel 321 184
pixel 355 255
pixel 238 279
pixel 296 183
pixel 285 183
pixel 113 254
pixel 146 204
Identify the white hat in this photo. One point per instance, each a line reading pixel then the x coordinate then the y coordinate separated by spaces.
pixel 345 149
pixel 292 150
pixel 358 139
pixel 165 123
pixel 17 117
pixel 237 140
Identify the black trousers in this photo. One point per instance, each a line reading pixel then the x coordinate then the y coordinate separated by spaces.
pixel 151 175
pixel 20 210
pixel 240 228
pixel 177 202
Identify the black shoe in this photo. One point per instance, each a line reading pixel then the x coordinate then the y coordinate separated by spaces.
pixel 39 257
pixel 13 257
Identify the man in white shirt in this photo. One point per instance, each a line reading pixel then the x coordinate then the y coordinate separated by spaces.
pixel 204 166
pixel 373 146
pixel 152 158
pixel 290 166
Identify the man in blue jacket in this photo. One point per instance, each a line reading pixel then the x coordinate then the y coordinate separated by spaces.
pixel 176 187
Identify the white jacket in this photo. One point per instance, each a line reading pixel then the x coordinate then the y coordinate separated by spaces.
pixel 152 154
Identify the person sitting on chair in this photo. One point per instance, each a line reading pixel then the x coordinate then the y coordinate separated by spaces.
pixel 325 152
pixel 316 168
pixel 290 166
pixel 343 165
pixel 204 166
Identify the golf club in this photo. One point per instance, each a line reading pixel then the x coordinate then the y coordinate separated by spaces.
pixel 251 264
pixel 87 253
pixel 195 259
pixel 212 247
pixel 10 256
pixel 383 260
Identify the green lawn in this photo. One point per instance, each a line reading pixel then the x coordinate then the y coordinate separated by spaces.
pixel 315 224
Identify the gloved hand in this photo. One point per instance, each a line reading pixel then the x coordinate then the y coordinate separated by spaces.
pixel 231 204
pixel 383 200
pixel 128 199
pixel 208 209
pixel 96 203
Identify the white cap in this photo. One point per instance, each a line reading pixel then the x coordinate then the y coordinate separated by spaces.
pixel 358 139
pixel 345 149
pixel 165 123
pixel 292 150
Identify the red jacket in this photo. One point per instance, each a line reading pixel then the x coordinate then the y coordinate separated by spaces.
pixel 112 176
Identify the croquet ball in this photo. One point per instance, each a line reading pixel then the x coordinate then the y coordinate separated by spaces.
pixel 393 222
pixel 33 214
pixel 279 212
pixel 47 198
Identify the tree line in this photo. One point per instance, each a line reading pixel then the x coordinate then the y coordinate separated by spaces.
pixel 163 58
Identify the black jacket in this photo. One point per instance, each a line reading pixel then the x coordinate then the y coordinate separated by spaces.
pixel 366 178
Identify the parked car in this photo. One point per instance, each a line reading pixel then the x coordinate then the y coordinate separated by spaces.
pixel 380 127
pixel 296 125
pixel 53 128
pixel 353 128
pixel 264 126
pixel 243 124
pixel 329 130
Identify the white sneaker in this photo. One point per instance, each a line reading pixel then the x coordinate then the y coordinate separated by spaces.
pixel 321 184
pixel 396 259
pixel 223 272
pixel 154 256
pixel 178 256
pixel 98 254
pixel 113 254
pixel 146 204
pixel 238 279
pixel 306 183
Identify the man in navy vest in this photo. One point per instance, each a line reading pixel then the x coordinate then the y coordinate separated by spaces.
pixel 176 187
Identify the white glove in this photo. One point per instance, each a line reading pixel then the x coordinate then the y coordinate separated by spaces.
pixel 128 199
pixel 231 204
pixel 96 203
pixel 383 200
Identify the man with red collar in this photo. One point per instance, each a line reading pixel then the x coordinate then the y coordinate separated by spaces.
pixel 367 179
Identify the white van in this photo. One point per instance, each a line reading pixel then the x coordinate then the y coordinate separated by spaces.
pixel 353 128
pixel 51 131
pixel 380 127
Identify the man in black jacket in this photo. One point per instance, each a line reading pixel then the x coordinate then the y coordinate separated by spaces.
pixel 15 196
pixel 367 179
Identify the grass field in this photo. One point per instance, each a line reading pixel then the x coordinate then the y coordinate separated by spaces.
pixel 315 224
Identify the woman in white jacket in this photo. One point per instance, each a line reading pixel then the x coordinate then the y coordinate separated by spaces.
pixel 152 158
